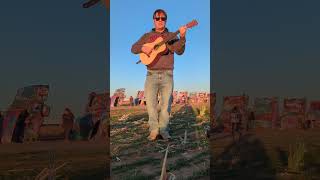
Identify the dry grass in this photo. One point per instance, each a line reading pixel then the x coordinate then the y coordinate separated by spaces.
pixel 296 157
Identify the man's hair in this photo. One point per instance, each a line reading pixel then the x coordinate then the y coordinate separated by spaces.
pixel 159 11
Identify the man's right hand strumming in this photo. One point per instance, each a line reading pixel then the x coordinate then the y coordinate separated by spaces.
pixel 147 50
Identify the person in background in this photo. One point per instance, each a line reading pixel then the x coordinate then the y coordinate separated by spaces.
pixel 183 99
pixel 309 120
pixel 136 101
pixel 90 102
pixel 67 122
pixel 241 118
pixel 131 101
pixel 235 121
pixel 1 121
pixel 170 106
pixel 18 132
pixel 116 102
pixel 250 120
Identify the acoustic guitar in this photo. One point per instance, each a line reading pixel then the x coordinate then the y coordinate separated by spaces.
pixel 159 46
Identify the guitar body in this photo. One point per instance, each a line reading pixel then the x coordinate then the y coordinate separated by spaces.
pixel 145 59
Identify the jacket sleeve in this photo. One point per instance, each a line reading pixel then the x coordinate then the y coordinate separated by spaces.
pixel 136 47
pixel 177 45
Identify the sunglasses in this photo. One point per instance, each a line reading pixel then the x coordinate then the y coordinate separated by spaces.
pixel 162 18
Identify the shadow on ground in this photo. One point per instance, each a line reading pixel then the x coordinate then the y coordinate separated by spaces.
pixel 243 159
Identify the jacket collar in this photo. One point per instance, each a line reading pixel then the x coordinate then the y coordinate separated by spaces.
pixel 165 30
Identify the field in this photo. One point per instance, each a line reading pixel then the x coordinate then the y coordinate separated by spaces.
pixel 263 154
pixel 84 160
pixel 134 157
pixel 259 154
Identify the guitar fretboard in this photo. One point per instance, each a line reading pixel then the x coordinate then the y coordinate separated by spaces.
pixel 172 36
pixel 169 38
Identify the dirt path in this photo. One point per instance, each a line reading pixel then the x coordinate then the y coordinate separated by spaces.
pixel 134 157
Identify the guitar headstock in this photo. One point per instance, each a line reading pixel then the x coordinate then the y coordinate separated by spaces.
pixel 91 3
pixel 192 23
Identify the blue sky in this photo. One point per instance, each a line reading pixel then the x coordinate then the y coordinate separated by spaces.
pixel 131 19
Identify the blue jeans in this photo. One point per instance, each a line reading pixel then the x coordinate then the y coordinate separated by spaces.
pixel 170 100
pixel 158 81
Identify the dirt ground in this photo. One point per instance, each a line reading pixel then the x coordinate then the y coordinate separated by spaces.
pixel 259 154
pixel 263 154
pixel 134 157
pixel 83 159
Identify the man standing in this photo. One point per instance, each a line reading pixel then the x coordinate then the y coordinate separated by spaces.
pixel 19 130
pixel 1 121
pixel 235 122
pixel 131 101
pixel 160 74
pixel 67 123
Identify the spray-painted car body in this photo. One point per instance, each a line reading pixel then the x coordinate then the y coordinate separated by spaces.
pixel 313 114
pixel 229 102
pixel 31 99
pixel 294 110
pixel 94 121
pixel 118 97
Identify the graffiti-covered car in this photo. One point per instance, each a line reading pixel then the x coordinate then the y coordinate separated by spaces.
pixel 27 111
pixel 294 110
pixel 118 97
pixel 229 102
pixel 313 115
pixel 94 122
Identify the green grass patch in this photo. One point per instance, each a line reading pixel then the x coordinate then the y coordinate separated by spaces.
pixel 296 157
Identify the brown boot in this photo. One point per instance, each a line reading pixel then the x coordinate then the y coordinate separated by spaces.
pixel 153 135
pixel 165 135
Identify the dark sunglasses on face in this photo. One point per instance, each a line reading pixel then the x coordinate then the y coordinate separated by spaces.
pixel 162 18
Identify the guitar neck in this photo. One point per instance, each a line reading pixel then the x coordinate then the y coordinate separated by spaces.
pixel 172 36
pixel 169 38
